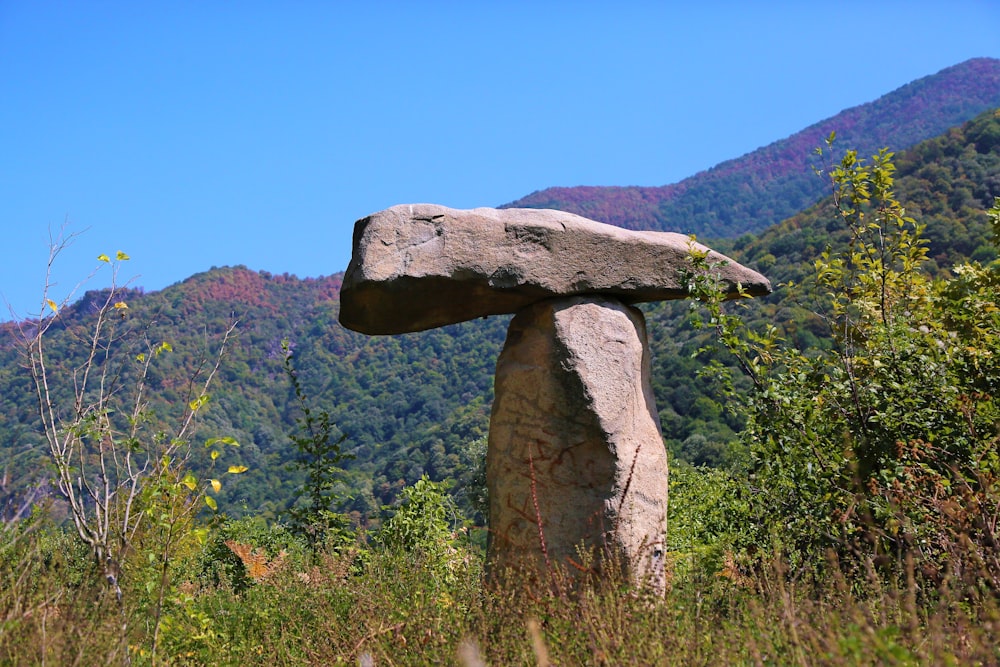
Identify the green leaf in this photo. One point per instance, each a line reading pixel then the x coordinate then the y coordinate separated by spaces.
pixel 189 481
pixel 210 501
pixel 198 402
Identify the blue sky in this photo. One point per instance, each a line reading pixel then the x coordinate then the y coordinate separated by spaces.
pixel 200 134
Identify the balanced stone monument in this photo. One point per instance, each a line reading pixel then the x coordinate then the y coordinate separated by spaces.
pixel 575 466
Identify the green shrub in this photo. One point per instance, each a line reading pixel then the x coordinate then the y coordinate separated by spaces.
pixel 882 449
pixel 220 563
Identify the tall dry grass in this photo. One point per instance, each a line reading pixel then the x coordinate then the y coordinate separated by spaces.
pixel 377 607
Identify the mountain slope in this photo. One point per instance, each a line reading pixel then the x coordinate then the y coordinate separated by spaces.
pixel 761 188
pixel 419 403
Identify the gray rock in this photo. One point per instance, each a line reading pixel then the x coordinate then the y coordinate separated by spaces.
pixel 420 266
pixel 576 466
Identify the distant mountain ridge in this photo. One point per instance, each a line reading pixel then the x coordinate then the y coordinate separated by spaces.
pixel 759 189
pixel 419 403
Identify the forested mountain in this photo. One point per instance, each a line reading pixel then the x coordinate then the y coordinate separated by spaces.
pixel 947 183
pixel 419 403
pixel 764 187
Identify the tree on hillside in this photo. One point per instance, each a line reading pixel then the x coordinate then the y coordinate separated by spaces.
pixel 317 516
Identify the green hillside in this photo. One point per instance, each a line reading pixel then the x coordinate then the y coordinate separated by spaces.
pixel 947 183
pixel 419 403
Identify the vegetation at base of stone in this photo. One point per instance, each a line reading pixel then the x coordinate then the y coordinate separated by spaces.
pixel 389 605
pixel 426 526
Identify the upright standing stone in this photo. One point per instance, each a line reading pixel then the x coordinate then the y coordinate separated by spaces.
pixel 576 466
